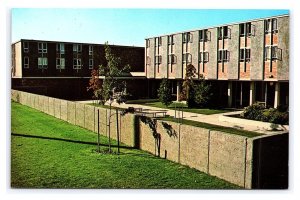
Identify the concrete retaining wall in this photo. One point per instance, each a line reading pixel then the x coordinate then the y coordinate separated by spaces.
pixel 234 158
pixel 216 153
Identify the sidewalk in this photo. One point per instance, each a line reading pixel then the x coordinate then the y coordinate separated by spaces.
pixel 210 119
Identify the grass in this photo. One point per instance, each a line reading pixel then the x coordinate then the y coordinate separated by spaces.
pixel 49 153
pixel 174 105
pixel 229 130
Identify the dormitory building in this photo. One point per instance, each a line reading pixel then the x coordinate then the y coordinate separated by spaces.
pixel 245 62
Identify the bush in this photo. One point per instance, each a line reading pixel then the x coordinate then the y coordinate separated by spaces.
pixel 165 93
pixel 272 115
pixel 202 93
pixel 254 111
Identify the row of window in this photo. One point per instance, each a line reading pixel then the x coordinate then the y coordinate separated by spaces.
pixel 270 53
pixel 60 47
pixel 60 63
pixel 224 32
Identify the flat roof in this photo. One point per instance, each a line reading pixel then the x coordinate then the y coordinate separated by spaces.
pixel 51 41
pixel 233 23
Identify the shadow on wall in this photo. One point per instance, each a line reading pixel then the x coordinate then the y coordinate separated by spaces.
pixel 152 123
pixel 269 171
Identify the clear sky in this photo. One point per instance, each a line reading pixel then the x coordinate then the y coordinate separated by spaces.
pixel 119 26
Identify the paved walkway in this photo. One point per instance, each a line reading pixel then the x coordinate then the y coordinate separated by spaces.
pixel 210 119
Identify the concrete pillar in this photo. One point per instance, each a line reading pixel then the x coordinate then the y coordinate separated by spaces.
pixel 178 90
pixel 277 95
pixel 229 94
pixel 252 93
pixel 241 98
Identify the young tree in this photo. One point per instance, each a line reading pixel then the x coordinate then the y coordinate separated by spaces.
pixel 202 93
pixel 95 86
pixel 187 85
pixel 165 93
pixel 112 87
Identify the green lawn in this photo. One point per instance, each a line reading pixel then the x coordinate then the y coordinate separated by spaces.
pixel 49 153
pixel 182 106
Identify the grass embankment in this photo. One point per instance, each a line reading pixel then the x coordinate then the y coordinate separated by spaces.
pixel 181 106
pixel 49 153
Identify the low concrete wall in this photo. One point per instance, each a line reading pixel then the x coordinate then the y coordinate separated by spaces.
pixel 237 159
pixel 64 110
pixel 79 109
pixel 216 153
pixel 71 112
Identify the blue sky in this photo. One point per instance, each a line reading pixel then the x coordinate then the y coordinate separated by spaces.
pixel 119 26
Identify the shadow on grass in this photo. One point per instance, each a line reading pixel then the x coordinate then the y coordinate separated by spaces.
pixel 66 140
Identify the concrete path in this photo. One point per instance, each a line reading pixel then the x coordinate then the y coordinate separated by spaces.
pixel 210 119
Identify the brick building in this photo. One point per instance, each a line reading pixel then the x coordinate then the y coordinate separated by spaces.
pixel 63 69
pixel 245 62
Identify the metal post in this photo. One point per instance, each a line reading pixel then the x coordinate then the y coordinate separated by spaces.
pixel 98 131
pixel 117 116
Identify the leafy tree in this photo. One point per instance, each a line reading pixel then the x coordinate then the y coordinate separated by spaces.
pixel 165 93
pixel 112 87
pixel 187 93
pixel 202 93
pixel 95 85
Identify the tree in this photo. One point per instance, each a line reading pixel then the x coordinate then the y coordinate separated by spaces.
pixel 187 85
pixel 202 93
pixel 95 86
pixel 165 93
pixel 112 87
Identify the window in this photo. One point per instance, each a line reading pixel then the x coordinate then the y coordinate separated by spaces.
pixel 60 63
pixel 226 32
pixel 147 43
pixel 42 63
pixel 77 47
pixel 187 58
pixel 26 62
pixel 77 63
pixel 170 39
pixel 248 55
pixel 248 29
pixel 26 47
pixel 203 57
pixel 172 59
pixel 223 32
pixel 187 37
pixel 158 41
pixel 42 47
pixel 271 25
pixel 267 53
pixel 148 60
pixel 223 55
pixel 157 60
pixel 245 54
pixel 274 25
pixel 60 47
pixel 90 50
pixel 204 35
pixel 91 63
pixel 276 53
pixel 242 29
pixel 242 54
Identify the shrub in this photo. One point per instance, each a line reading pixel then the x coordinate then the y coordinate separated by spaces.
pixel 202 93
pixel 165 93
pixel 254 111
pixel 272 115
